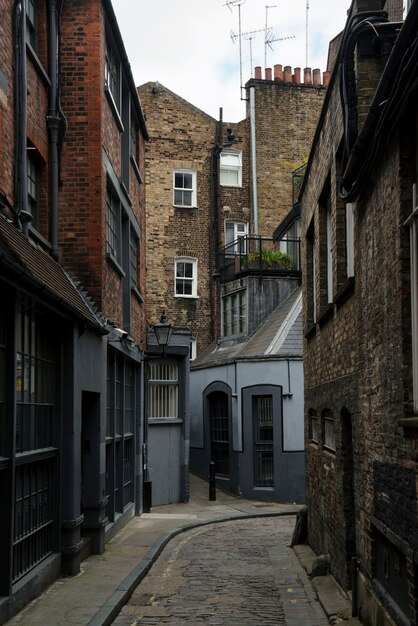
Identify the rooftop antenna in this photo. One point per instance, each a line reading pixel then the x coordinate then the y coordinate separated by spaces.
pixel 307 32
pixel 237 3
pixel 267 32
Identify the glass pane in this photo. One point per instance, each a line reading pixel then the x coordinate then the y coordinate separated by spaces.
pixel 187 198
pixel 178 181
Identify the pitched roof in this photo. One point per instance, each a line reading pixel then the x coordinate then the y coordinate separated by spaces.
pixel 280 336
pixel 32 265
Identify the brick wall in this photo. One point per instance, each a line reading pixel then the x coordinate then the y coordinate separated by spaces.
pixel 181 136
pixel 7 139
pixel 357 361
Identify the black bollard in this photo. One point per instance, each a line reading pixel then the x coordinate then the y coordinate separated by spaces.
pixel 212 483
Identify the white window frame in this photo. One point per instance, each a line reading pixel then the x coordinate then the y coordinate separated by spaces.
pixel 228 169
pixel 234 226
pixel 192 190
pixel 406 6
pixel 178 278
pixel 349 238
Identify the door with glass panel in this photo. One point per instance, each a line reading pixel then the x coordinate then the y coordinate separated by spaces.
pixel 263 441
pixel 219 432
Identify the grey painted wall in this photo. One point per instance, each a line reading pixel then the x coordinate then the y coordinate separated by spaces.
pixel 289 451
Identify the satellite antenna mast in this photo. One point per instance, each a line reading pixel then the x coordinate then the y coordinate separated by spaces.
pixel 237 3
pixel 307 32
pixel 267 32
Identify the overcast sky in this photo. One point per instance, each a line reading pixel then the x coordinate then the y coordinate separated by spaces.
pixel 187 46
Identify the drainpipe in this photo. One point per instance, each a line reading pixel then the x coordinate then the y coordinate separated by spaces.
pixel 54 122
pixel 253 160
pixel 21 107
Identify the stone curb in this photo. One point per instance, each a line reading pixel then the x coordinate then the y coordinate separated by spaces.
pixel 109 611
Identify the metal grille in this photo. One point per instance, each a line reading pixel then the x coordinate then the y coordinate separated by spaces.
pixel 263 442
pixel 163 390
pixel 33 523
pixel 219 433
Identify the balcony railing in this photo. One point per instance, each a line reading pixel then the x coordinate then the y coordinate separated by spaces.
pixel 259 256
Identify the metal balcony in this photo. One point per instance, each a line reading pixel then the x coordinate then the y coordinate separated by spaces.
pixel 259 256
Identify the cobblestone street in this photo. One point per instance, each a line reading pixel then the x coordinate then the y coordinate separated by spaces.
pixel 237 573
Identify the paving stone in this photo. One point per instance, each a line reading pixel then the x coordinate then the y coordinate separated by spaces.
pixel 236 573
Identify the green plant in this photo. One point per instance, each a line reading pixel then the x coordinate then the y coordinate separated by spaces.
pixel 271 258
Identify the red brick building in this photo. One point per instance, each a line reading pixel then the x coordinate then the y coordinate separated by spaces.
pixel 72 278
pixel 359 267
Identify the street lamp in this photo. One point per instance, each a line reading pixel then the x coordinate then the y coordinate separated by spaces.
pixel 163 332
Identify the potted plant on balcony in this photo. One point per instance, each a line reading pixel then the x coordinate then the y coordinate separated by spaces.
pixel 270 259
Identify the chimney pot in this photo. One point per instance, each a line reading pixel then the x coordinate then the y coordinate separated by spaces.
pixel 317 77
pixel 257 72
pixel 287 74
pixel 307 76
pixel 268 73
pixel 278 72
pixel 325 79
pixel 296 76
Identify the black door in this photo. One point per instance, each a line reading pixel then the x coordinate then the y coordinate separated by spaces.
pixel 219 433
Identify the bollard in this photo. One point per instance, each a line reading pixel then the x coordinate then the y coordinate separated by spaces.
pixel 212 483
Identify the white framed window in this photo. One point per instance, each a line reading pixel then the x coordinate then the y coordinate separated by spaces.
pixel 184 188
pixel 193 349
pixel 234 314
pixel 349 230
pixel 235 237
pixel 185 279
pixel 406 6
pixel 231 168
pixel 163 390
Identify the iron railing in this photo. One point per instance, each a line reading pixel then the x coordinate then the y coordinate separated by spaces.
pixel 260 256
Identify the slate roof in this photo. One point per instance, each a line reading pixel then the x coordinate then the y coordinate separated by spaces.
pixel 32 265
pixel 280 336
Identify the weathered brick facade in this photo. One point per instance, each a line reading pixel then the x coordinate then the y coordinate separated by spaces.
pixel 361 451
pixel 72 282
pixel 286 111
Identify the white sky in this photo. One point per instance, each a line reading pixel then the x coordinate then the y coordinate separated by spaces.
pixel 186 44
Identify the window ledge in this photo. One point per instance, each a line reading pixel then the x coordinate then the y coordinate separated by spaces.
pixel 114 263
pixel 326 314
pixel 311 332
pixel 164 420
pixel 38 64
pixel 409 422
pixel 177 295
pixel 114 108
pixel 345 291
pixel 137 294
pixel 187 208
pixel 331 451
pixel 136 169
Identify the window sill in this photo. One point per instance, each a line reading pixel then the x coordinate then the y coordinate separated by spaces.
pixel 164 420
pixel 137 294
pixel 136 169
pixel 330 451
pixel 38 64
pixel 345 291
pixel 186 297
pixel 409 422
pixel 326 315
pixel 114 263
pixel 187 208
pixel 311 332
pixel 114 109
